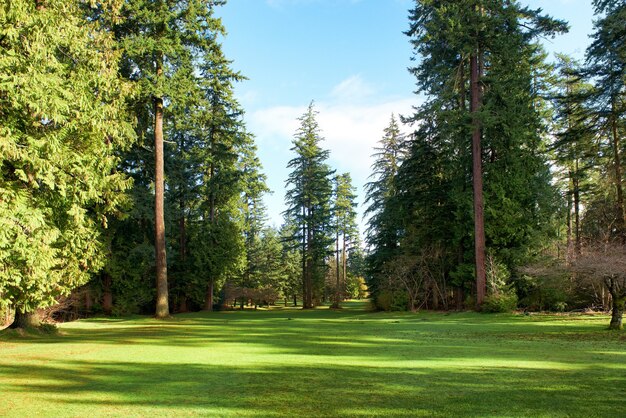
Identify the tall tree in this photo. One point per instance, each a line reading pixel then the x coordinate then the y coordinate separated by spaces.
pixel 62 120
pixel 165 42
pixel 382 233
pixel 606 65
pixel 574 145
pixel 309 190
pixel 344 214
pixel 477 69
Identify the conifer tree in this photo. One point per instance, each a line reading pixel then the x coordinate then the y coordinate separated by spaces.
pixel 62 121
pixel 164 44
pixel 344 219
pixel 382 234
pixel 477 67
pixel 308 198
pixel 606 65
pixel 574 145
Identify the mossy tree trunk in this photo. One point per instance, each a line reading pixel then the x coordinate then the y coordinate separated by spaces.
pixel 617 289
pixel 617 314
pixel 25 320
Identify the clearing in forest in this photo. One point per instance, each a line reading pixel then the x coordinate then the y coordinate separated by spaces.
pixel 288 362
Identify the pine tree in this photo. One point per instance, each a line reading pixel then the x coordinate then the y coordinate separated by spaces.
pixel 62 120
pixel 477 69
pixel 574 145
pixel 308 197
pixel 382 234
pixel 165 43
pixel 606 65
pixel 344 214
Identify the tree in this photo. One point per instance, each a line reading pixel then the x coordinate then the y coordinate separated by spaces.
pixel 308 197
pixel 574 145
pixel 478 69
pixel 62 120
pixel 606 65
pixel 382 234
pixel 606 263
pixel 344 215
pixel 165 45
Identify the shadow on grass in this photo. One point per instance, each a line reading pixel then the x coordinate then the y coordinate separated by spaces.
pixel 318 363
pixel 303 391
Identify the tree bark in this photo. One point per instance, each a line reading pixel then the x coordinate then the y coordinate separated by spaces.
pixel 570 247
pixel 25 320
pixel 577 241
pixel 344 260
pixel 308 303
pixel 208 298
pixel 477 179
pixel 618 296
pixel 107 295
pixel 618 174
pixel 183 306
pixel 617 313
pixel 304 258
pixel 162 307
pixel 336 302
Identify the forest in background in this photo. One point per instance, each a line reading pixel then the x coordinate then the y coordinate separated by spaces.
pixel 130 184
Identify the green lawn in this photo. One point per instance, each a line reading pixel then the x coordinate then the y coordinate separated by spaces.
pixel 293 363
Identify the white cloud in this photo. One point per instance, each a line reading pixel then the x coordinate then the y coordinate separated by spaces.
pixel 353 88
pixel 351 130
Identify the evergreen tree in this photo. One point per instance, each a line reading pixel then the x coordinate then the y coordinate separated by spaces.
pixel 606 65
pixel 344 215
pixel 308 198
pixel 574 145
pixel 382 234
pixel 62 120
pixel 478 69
pixel 173 55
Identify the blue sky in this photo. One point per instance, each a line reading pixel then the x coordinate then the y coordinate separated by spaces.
pixel 351 58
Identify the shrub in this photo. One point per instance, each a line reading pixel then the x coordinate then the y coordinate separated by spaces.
pixel 396 300
pixel 500 302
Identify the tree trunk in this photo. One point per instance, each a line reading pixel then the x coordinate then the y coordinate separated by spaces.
pixel 617 313
pixel 88 301
pixel 107 295
pixel 577 243
pixel 459 296
pixel 618 297
pixel 345 264
pixel 25 320
pixel 336 302
pixel 479 222
pixel 570 247
pixel 183 306
pixel 618 174
pixel 162 304
pixel 208 298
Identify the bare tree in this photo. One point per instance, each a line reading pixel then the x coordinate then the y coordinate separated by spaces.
pixel 606 263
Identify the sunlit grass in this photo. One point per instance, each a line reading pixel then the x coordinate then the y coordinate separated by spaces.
pixel 291 363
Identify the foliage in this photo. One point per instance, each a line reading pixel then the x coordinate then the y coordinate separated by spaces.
pixel 62 121
pixel 500 302
pixel 308 200
pixel 430 208
pixel 384 227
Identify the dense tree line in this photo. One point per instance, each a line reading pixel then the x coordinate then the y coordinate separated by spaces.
pixel 124 158
pixel 507 145
pixel 129 182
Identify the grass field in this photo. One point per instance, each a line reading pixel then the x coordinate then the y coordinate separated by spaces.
pixel 292 363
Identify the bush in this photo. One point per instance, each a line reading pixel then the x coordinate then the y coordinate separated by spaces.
pixel 500 302
pixel 388 300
